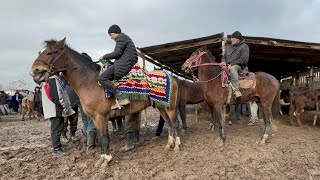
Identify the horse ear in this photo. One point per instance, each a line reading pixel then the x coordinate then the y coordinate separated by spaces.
pixel 62 43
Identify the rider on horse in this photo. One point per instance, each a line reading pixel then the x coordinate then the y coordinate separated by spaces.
pixel 237 55
pixel 126 56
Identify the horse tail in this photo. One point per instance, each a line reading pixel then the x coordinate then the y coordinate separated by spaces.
pixel 276 105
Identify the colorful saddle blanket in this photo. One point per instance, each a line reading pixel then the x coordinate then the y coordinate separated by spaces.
pixel 142 85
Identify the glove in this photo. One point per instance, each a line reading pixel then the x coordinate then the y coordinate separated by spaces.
pixel 223 64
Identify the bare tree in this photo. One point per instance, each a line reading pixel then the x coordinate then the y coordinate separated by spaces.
pixel 15 85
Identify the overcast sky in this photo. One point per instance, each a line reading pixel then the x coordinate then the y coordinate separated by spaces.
pixel 26 24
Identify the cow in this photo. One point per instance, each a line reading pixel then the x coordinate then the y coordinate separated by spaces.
pixel 303 98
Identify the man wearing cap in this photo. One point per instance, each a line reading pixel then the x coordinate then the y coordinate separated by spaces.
pixel 126 56
pixel 237 55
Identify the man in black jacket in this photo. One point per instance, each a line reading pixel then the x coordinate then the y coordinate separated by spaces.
pixel 237 55
pixel 126 56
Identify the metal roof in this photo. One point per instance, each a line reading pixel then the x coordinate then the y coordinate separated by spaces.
pixel 275 56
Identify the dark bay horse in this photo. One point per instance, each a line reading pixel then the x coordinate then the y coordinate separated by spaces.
pixel 209 72
pixel 189 93
pixel 82 73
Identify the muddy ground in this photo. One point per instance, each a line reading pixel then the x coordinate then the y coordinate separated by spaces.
pixel 292 153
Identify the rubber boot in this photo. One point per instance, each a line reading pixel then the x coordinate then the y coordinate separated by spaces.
pixel 91 140
pixel 129 145
pixel 122 101
pixel 136 137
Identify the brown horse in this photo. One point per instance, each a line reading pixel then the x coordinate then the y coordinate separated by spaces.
pixel 266 90
pixel 82 73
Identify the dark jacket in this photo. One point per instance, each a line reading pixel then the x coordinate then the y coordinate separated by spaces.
pixel 37 97
pixel 125 55
pixel 237 54
pixel 4 98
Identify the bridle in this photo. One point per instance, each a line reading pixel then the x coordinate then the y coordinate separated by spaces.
pixel 198 63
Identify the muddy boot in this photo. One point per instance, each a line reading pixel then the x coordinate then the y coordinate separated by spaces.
pixel 120 100
pixel 73 137
pixel 136 137
pixel 84 139
pixel 120 129
pixel 236 89
pixel 129 145
pixel 91 140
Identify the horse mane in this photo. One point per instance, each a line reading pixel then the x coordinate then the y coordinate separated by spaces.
pixel 84 59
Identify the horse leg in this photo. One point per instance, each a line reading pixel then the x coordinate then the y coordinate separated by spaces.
pixel 23 113
pixel 316 115
pixel 299 112
pixel 291 112
pixel 217 115
pixel 176 128
pixel 102 126
pixel 182 110
pixel 165 116
pixel 267 106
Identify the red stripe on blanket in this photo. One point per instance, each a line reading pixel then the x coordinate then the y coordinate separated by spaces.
pixel 47 90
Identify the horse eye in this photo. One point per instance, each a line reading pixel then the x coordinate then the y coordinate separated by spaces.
pixel 49 53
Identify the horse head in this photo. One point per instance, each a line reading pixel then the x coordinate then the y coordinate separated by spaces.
pixel 194 59
pixel 48 60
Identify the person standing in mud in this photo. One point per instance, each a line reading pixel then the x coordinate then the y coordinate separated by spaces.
pixel 132 131
pixel 4 107
pixel 37 101
pixel 56 106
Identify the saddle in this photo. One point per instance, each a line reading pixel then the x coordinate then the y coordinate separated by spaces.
pixel 247 81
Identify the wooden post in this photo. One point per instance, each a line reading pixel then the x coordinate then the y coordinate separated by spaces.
pixel 145 111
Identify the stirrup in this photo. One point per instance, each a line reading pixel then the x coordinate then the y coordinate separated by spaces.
pixel 116 106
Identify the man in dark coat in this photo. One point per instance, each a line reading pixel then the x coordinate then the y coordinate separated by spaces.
pixel 237 55
pixel 126 56
pixel 37 101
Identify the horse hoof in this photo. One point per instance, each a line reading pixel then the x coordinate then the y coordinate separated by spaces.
pixel 220 142
pixel 176 149
pixel 264 139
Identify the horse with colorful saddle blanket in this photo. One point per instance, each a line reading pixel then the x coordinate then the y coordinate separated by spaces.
pixel 142 85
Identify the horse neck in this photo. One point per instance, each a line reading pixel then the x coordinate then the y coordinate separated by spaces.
pixel 79 80
pixel 207 72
